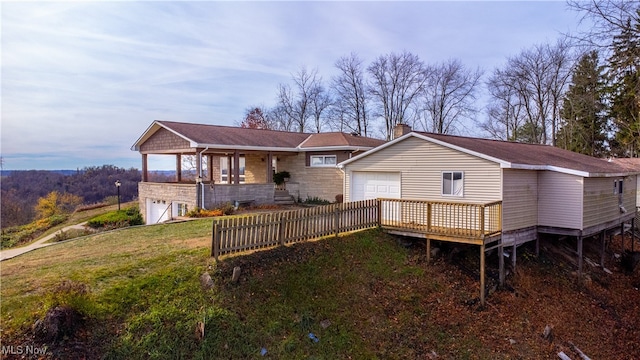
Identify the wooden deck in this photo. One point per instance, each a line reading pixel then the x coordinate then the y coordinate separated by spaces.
pixel 467 223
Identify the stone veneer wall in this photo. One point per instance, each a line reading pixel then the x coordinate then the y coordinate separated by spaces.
pixel 322 182
pixel 225 193
pixel 170 192
pixel 255 169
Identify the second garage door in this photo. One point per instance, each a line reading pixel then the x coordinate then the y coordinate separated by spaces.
pixel 367 185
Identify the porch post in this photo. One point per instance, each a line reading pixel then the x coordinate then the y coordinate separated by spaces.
pixel 482 274
pixel 229 165
pixel 198 164
pixel 428 250
pixel 210 167
pixel 178 167
pixel 145 172
pixel 269 160
pixel 236 167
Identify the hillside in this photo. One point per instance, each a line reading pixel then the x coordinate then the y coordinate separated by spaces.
pixel 361 296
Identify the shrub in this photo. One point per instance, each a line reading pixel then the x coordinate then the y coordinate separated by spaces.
pixel 117 219
pixel 71 234
pixel 222 209
pixel 316 201
pixel 21 234
pixel 279 177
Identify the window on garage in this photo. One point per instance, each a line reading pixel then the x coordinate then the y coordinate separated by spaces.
pixel 323 160
pixel 452 183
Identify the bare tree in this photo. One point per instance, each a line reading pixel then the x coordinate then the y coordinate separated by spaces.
pixel 608 18
pixel 256 117
pixel 320 102
pixel 280 119
pixel 538 77
pixel 505 112
pixel 351 97
pixel 297 102
pixel 449 96
pixel 397 81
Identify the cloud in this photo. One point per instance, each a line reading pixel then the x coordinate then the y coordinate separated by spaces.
pixel 82 80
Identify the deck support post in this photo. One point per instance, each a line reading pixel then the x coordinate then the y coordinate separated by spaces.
pixel 633 231
pixel 513 259
pixel 428 250
pixel 580 256
pixel 482 285
pixel 622 234
pixel 537 245
pixel 602 248
pixel 501 263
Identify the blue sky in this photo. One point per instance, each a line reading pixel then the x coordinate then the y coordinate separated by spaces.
pixel 81 81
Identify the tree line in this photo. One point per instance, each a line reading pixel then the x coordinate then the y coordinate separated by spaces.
pixel 33 193
pixel 580 92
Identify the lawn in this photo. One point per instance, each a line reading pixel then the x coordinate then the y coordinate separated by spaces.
pixel 361 296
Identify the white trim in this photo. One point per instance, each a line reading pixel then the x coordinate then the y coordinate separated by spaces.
pixel 452 172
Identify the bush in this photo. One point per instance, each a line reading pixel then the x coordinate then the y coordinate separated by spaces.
pixel 199 213
pixel 117 219
pixel 17 235
pixel 279 177
pixel 316 201
pixel 71 234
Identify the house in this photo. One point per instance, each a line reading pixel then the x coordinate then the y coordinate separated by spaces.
pixel 538 189
pixel 236 165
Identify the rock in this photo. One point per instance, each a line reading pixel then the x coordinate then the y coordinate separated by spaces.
pixel 325 323
pixel 435 251
pixel 547 334
pixel 512 342
pixel 236 274
pixel 206 281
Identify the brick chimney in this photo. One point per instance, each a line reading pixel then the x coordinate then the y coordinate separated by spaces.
pixel 401 129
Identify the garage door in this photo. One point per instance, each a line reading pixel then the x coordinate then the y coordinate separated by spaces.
pixel 372 185
pixel 157 211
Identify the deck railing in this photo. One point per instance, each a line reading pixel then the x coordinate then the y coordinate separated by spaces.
pixel 253 232
pixel 442 218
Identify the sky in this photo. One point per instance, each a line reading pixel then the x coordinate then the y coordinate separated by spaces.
pixel 81 81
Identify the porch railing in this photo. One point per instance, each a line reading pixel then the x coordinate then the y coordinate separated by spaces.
pixel 442 218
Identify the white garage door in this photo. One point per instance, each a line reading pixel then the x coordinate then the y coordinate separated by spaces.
pixel 157 211
pixel 367 185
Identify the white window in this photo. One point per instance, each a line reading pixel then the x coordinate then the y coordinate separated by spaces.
pixel 182 209
pixel 452 183
pixel 618 186
pixel 323 160
pixel 224 171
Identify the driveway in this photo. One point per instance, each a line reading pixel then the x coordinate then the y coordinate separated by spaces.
pixel 11 253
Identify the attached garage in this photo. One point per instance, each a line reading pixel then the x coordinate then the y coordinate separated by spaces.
pixel 157 211
pixel 375 184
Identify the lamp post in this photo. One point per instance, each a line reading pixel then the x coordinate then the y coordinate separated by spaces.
pixel 118 187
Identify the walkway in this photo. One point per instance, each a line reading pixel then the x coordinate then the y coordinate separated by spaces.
pixel 11 253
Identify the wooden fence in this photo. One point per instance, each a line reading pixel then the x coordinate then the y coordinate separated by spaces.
pixel 237 234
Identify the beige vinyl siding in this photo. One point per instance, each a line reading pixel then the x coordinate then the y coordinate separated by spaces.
pixel 421 163
pixel 519 199
pixel 560 200
pixel 601 204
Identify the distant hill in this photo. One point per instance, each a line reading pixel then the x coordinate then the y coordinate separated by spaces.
pixel 61 172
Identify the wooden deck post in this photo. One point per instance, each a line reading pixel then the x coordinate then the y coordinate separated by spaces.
pixel 428 250
pixel 602 248
pixel 580 256
pixel 482 285
pixel 513 259
pixel 501 263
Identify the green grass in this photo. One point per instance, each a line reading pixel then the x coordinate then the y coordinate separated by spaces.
pixel 139 291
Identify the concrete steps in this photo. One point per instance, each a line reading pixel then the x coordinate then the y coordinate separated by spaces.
pixel 282 197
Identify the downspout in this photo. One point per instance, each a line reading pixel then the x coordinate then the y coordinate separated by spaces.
pixel 202 182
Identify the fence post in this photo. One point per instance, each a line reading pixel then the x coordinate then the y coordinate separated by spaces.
pixel 336 219
pixel 428 216
pixel 215 241
pixel 379 203
pixel 281 229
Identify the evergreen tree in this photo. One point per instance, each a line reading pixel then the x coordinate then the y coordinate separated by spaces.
pixel 624 92
pixel 584 122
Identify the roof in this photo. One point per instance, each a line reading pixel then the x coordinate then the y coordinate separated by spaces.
pixel 229 137
pixel 631 164
pixel 519 155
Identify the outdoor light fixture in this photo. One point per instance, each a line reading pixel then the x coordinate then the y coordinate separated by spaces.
pixel 118 183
